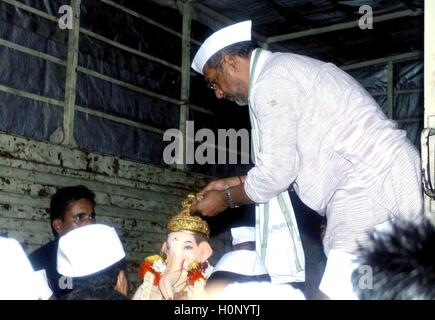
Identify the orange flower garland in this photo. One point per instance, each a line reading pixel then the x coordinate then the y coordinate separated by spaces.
pixel 198 271
pixel 154 264
pixel 157 265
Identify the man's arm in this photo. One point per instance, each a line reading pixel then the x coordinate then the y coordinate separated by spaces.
pixel 276 106
pixel 214 202
pixel 275 168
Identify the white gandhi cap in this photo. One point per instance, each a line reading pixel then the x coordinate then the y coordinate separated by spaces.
pixel 245 262
pixel 220 39
pixel 18 281
pixel 243 234
pixel 88 250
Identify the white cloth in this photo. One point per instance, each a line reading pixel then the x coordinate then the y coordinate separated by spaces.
pixel 88 250
pixel 259 291
pixel 41 278
pixel 243 234
pixel 220 39
pixel 245 262
pixel 277 236
pixel 319 128
pixel 337 279
pixel 18 281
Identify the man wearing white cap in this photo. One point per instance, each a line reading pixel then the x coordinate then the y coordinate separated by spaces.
pixel 240 274
pixel 18 280
pixel 92 261
pixel 242 264
pixel 313 126
pixel 70 208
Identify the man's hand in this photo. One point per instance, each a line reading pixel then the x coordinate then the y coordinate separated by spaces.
pixel 212 203
pixel 222 184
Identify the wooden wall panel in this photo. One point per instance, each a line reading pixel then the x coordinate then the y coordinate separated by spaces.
pixel 135 198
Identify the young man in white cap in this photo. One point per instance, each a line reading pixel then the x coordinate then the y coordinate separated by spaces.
pixel 70 208
pixel 316 127
pixel 18 280
pixel 92 261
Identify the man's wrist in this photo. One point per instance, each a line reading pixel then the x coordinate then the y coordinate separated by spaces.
pixel 229 198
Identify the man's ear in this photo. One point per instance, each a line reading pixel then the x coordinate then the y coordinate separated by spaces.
pixel 57 225
pixel 204 251
pixel 231 61
pixel 122 283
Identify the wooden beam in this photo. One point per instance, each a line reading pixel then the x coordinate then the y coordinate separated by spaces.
pixel 71 76
pixel 32 52
pixel 124 121
pixel 129 49
pixel 395 58
pixel 31 10
pixel 342 26
pixel 185 80
pixel 220 17
pixel 148 20
pixel 28 95
pixel 127 85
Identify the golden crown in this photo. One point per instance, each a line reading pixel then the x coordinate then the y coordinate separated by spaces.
pixel 184 221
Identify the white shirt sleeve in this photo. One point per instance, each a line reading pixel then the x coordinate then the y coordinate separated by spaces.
pixel 275 108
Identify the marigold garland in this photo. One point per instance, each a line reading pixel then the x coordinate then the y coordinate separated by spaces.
pixel 154 264
pixel 197 271
pixel 157 265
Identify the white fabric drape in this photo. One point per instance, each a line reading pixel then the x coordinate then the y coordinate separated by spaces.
pixel 277 236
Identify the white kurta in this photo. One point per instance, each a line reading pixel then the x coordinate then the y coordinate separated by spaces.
pixel 322 130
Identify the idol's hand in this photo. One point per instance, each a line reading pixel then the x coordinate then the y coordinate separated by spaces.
pixel 210 204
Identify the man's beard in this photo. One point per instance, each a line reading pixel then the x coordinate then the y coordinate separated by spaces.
pixel 238 93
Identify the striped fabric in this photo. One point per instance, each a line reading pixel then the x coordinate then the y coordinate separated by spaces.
pixel 320 128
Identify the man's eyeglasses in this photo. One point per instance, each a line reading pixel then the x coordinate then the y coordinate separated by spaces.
pixel 212 83
pixel 83 217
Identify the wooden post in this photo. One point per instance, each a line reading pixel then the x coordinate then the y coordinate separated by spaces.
pixel 185 81
pixel 71 77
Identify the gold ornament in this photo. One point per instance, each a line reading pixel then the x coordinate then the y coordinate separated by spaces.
pixel 184 221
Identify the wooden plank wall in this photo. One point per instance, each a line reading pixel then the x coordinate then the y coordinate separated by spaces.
pixel 135 198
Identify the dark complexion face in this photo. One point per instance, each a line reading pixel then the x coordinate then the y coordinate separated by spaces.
pixel 78 213
pixel 228 82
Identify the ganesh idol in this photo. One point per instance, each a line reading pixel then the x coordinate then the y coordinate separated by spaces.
pixel 181 270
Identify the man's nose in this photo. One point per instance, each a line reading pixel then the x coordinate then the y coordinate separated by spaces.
pixel 87 221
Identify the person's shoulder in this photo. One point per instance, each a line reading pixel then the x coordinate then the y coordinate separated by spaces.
pixel 43 253
pixel 279 58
